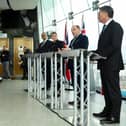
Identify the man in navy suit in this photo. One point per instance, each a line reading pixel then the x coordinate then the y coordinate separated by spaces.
pixel 41 48
pixel 52 45
pixel 78 42
pixel 109 45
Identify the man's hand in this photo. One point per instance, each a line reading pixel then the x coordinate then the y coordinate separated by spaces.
pixel 66 49
pixel 94 55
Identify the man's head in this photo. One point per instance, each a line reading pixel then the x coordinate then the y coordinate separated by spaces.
pixel 105 13
pixel 54 36
pixel 24 49
pixel 44 36
pixel 75 30
pixel 4 47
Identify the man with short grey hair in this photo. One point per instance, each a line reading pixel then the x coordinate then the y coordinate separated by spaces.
pixel 109 46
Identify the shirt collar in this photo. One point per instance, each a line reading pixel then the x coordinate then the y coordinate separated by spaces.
pixel 44 40
pixel 77 36
pixel 108 22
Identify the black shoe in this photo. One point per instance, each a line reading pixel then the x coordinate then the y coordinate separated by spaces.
pixel 110 120
pixel 58 95
pixel 26 90
pixel 48 96
pixel 71 103
pixel 42 89
pixel 23 78
pixel 100 115
pixel 5 77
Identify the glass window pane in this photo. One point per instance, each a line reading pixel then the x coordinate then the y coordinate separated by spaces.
pixel 119 10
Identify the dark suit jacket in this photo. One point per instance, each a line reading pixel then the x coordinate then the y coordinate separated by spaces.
pixel 54 46
pixel 50 46
pixel 5 56
pixel 109 45
pixel 81 42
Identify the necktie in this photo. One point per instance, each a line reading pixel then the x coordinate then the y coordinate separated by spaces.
pixel 73 41
pixel 43 43
pixel 103 29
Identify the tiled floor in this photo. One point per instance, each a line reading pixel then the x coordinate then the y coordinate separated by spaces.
pixel 18 109
pixel 97 105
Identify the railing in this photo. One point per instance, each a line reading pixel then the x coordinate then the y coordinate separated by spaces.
pixel 37 71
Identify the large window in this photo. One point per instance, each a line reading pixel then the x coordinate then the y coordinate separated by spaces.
pixel 59 9
pixel 120 9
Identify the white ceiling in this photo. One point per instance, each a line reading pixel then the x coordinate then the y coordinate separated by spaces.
pixel 18 4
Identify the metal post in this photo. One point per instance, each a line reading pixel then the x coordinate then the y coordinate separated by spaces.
pixel 38 74
pixel 88 89
pixel 28 75
pixel 82 87
pixel 75 90
pixel 40 71
pixel 52 84
pixel 34 77
pixel 45 79
pixel 55 63
pixel 61 81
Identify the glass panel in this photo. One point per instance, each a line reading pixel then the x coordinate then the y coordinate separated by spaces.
pixel 62 8
pixel 79 5
pixel 48 12
pixel 119 10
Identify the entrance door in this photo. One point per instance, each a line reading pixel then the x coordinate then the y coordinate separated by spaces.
pixel 19 44
pixel 3 42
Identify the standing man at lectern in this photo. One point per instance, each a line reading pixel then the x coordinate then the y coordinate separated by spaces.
pixel 78 42
pixel 109 45
pixel 42 46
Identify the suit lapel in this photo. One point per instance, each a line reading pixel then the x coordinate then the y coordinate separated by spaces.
pixel 107 27
pixel 105 33
pixel 76 40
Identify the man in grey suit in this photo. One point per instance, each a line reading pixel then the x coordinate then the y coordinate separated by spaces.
pixel 109 45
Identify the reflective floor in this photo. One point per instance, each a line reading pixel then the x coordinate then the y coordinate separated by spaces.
pixel 18 109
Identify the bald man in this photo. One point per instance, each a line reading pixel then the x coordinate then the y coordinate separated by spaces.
pixel 41 47
pixel 78 42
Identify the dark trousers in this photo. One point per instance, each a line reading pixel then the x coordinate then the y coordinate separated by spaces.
pixel 71 66
pixel 48 75
pixel 112 93
pixel 25 71
pixel 6 71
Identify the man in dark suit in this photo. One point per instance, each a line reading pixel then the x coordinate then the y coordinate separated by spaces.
pixel 109 46
pixel 53 45
pixel 41 47
pixel 78 42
